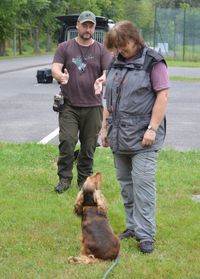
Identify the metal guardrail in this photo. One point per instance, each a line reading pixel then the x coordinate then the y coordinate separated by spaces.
pixel 98 35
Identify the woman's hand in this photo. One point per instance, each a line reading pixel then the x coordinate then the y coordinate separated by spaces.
pixel 149 138
pixel 104 137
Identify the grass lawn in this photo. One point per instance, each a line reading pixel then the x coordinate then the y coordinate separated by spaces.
pixel 176 78
pixel 38 230
pixel 180 63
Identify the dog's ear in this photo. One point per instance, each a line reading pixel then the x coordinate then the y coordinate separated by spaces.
pixel 78 207
pixel 101 201
pixel 99 178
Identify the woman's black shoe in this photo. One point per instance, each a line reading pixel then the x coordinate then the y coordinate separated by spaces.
pixel 126 234
pixel 147 246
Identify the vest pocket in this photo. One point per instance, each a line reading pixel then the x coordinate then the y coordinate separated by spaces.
pixel 130 134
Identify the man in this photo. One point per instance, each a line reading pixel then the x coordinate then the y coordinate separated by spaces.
pixel 78 65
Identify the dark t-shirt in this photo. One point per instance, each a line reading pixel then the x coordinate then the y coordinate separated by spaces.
pixel 85 65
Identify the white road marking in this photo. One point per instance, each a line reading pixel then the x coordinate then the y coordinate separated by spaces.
pixel 49 137
pixel 196 198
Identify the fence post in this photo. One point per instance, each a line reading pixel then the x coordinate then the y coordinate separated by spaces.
pixel 154 29
pixel 14 42
pixel 184 26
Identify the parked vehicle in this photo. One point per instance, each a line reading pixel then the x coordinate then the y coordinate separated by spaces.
pixel 68 29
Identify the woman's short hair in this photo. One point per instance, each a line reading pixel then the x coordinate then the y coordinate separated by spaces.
pixel 121 33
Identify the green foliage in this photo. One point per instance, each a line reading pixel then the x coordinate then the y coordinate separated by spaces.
pixel 109 8
pixel 31 18
pixel 113 9
pixel 39 231
pixel 8 13
pixel 176 3
pixel 138 11
pixel 33 21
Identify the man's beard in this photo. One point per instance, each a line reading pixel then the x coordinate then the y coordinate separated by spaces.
pixel 86 36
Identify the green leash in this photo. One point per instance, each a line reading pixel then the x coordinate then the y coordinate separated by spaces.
pixel 111 267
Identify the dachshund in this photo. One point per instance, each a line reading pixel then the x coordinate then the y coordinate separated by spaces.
pixel 98 240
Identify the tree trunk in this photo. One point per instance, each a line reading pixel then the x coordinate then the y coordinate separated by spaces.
pixel 49 40
pixel 20 42
pixel 36 40
pixel 3 47
pixel 31 34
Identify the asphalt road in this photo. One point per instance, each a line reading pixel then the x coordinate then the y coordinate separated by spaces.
pixel 26 113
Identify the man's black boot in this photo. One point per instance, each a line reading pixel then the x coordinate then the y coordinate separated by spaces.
pixel 63 185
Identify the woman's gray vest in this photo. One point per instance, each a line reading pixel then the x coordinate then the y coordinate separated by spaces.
pixel 130 100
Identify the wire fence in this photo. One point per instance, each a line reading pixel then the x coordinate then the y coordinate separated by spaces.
pixel 177 33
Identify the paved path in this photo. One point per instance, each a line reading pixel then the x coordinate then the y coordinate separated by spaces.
pixel 183 116
pixel 10 65
pixel 184 72
pixel 46 60
pixel 34 102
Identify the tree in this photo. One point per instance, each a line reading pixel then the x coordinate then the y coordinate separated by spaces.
pixel 109 8
pixel 140 13
pixel 54 9
pixel 112 9
pixel 8 14
pixel 35 11
pixel 176 3
pixel 33 20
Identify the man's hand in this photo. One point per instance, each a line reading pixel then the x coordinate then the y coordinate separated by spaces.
pixel 98 85
pixel 64 77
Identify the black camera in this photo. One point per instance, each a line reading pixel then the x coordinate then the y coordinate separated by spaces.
pixel 58 103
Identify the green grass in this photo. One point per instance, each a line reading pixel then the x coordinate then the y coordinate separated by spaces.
pixel 38 230
pixel 176 78
pixel 179 63
pixel 27 54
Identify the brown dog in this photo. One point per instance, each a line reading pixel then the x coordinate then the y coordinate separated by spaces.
pixel 98 239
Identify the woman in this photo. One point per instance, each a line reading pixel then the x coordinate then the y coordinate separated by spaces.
pixel 134 126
